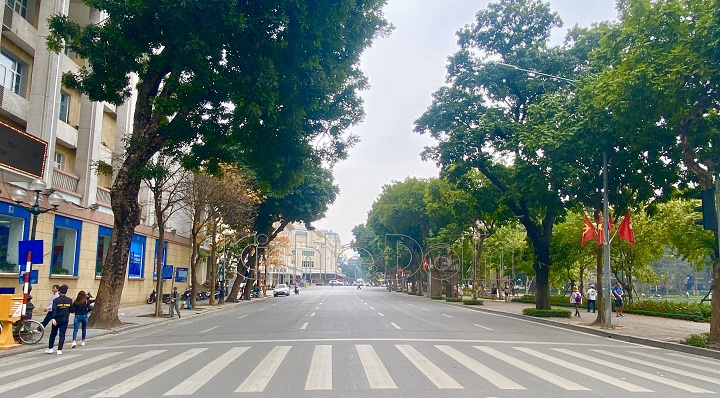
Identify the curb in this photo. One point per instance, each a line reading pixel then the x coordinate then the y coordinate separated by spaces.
pixel 687 349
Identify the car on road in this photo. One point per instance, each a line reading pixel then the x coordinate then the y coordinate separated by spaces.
pixel 335 282
pixel 281 289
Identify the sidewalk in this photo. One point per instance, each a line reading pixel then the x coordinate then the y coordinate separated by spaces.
pixel 647 330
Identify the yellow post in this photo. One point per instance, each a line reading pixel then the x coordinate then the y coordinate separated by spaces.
pixel 10 311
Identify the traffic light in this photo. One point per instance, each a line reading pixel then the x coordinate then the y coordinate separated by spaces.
pixel 709 217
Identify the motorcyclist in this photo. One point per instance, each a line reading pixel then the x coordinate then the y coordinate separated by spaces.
pixel 297 288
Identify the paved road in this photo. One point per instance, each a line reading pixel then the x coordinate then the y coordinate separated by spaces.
pixel 343 342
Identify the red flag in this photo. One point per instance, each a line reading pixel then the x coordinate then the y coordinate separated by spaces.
pixel 601 235
pixel 588 231
pixel 625 230
pixel 425 265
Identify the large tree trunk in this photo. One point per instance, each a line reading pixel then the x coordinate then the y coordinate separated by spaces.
pixel 143 144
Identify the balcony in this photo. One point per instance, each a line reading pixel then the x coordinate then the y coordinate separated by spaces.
pixel 103 196
pixel 64 181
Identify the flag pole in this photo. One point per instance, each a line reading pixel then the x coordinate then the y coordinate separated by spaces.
pixel 607 285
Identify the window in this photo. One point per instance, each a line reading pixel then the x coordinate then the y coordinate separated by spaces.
pixel 308 253
pixel 164 256
pixel 308 263
pixel 59 161
pixel 13 71
pixel 13 222
pixel 19 6
pixel 136 267
pixel 64 106
pixel 103 245
pixel 66 246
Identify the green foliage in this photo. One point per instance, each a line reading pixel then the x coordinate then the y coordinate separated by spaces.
pixel 472 302
pixel 669 309
pixel 555 313
pixel 453 299
pixel 697 340
pixel 555 300
pixel 7 267
pixel 436 298
pixel 59 271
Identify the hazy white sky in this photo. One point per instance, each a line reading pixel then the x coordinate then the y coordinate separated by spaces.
pixel 404 70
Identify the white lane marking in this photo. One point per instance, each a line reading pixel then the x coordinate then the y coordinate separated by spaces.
pixel 242 316
pixel 481 326
pixel 190 385
pixel 94 375
pixel 410 305
pixel 372 308
pixel 313 314
pixel 303 326
pixel 396 326
pixel 261 375
pixel 320 373
pixel 681 372
pixel 261 309
pixel 54 372
pixel 587 372
pixel 429 369
pixel 481 370
pixel 534 370
pixel 380 313
pixel 320 303
pixel 686 362
pixel 446 315
pixel 207 330
pixel 273 304
pixel 139 379
pixel 695 358
pixel 426 309
pixel 376 373
pixel 317 308
pixel 31 366
pixel 365 303
pixel 635 372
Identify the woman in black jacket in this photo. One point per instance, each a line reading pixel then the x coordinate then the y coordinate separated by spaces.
pixel 81 308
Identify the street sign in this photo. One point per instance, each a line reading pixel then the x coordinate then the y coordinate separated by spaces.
pixel 33 277
pixel 181 275
pixel 35 247
pixel 167 272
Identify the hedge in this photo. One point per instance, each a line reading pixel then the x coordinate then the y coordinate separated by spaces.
pixel 473 302
pixel 555 300
pixel 547 313
pixel 436 298
pixel 453 299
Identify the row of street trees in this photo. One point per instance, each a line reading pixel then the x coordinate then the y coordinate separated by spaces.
pixel 269 86
pixel 529 149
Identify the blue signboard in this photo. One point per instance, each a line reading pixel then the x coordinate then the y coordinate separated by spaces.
pixel 181 275
pixel 33 277
pixel 35 247
pixel 167 272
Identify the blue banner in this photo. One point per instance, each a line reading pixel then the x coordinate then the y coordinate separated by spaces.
pixel 181 275
pixel 33 277
pixel 167 272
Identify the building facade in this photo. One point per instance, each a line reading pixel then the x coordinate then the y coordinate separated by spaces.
pixel 58 135
pixel 312 256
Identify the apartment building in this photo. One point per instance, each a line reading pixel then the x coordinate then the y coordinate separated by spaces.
pixel 59 136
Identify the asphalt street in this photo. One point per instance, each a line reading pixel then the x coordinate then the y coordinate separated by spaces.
pixel 343 342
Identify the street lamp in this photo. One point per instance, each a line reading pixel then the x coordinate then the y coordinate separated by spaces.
pixel 19 195
pixel 606 213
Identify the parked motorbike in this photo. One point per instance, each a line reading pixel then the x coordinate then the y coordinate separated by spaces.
pixel 203 295
pixel 152 298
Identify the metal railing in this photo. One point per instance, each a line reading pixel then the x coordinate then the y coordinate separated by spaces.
pixel 103 196
pixel 66 182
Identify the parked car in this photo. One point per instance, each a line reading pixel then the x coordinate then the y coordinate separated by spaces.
pixel 335 282
pixel 281 289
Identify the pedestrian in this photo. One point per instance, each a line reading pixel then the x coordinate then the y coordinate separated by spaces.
pixel 617 293
pixel 59 315
pixel 48 308
pixel 175 302
pixel 592 299
pixel 576 300
pixel 81 308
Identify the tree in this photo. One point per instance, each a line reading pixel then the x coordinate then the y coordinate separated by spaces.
pixel 255 81
pixel 665 79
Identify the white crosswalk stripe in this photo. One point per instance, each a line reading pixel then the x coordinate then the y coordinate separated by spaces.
pixel 542 373
pixel 94 375
pixel 202 376
pixel 141 378
pixel 38 364
pixel 260 377
pixel 376 373
pixel 436 375
pixel 320 373
pixel 481 370
pixel 583 370
pixel 635 372
pixel 686 363
pixel 54 372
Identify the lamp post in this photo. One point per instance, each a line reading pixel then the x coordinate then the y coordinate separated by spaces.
pixel 19 195
pixel 606 214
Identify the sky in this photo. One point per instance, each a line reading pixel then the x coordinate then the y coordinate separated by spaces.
pixel 404 69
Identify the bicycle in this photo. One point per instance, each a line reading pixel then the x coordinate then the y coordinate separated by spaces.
pixel 28 331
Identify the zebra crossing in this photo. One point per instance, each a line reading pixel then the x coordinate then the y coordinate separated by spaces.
pixel 256 369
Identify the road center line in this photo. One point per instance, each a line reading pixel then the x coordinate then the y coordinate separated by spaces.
pixel 411 305
pixel 481 326
pixel 317 308
pixel 303 326
pixel 207 330
pixel 313 314
pixel 396 326
pixel 242 316
pixel 446 315
pixel 372 308
pixel 261 309
pixel 380 313
pixel 426 309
